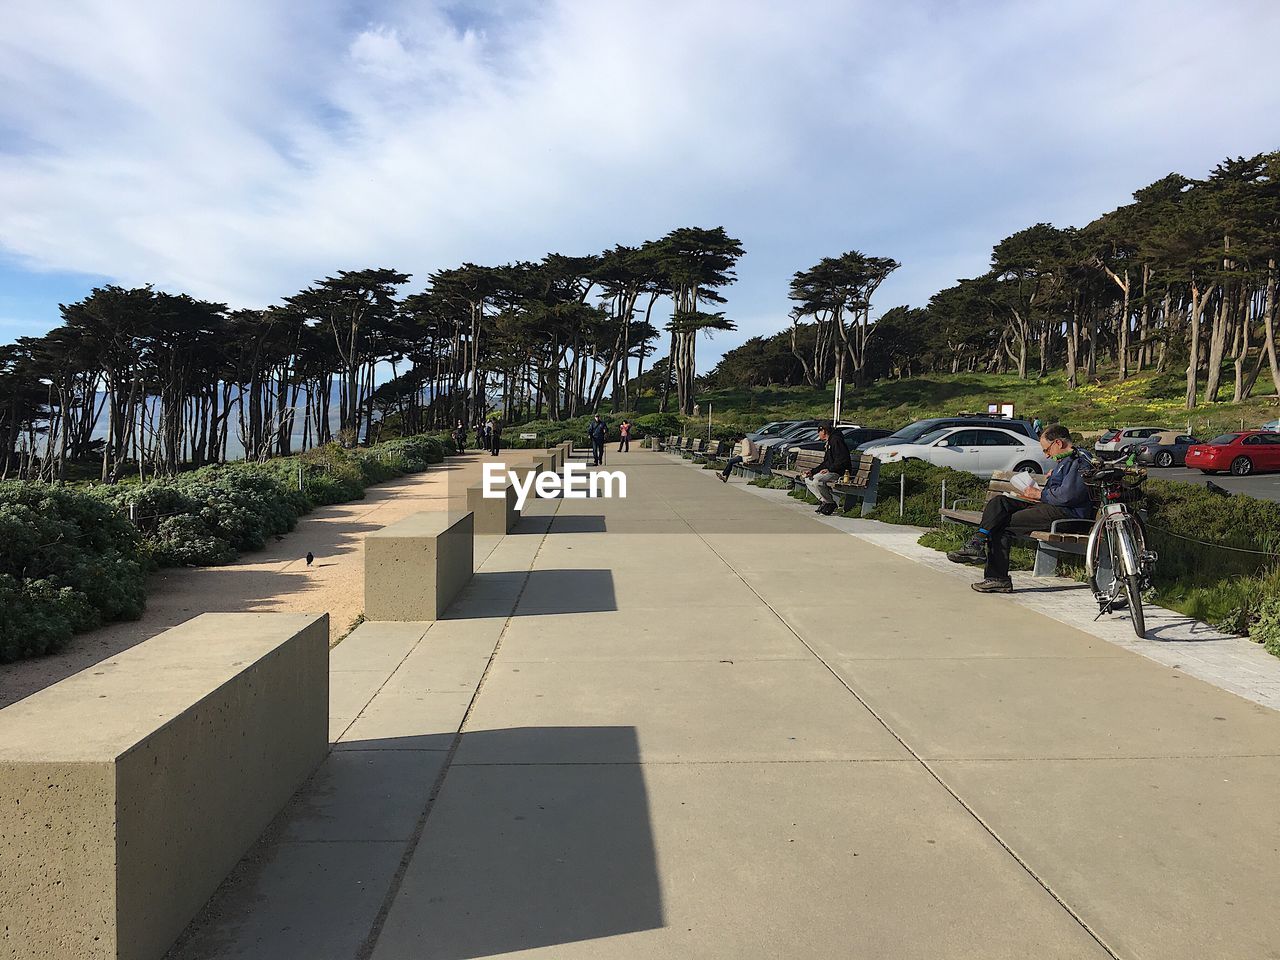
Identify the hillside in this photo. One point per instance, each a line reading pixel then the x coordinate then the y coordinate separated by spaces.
pixel 1143 399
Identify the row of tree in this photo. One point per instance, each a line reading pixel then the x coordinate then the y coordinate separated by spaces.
pixel 1182 278
pixel 145 380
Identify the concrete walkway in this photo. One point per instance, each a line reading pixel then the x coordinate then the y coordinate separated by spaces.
pixel 697 723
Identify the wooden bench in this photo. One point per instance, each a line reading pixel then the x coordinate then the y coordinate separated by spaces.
pixel 805 460
pixel 712 451
pixel 693 448
pixel 1067 537
pixel 862 485
pixel 752 469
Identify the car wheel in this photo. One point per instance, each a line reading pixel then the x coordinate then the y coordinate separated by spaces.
pixel 1028 466
pixel 1241 466
pixel 1164 459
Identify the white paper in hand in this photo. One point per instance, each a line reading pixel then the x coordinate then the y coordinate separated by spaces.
pixel 1022 482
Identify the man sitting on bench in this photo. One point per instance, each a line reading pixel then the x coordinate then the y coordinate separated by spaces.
pixel 751 453
pixel 1063 496
pixel 835 464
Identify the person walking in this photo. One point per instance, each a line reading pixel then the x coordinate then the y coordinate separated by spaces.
pixel 596 433
pixel 495 437
pixel 482 436
pixel 624 437
pixel 459 436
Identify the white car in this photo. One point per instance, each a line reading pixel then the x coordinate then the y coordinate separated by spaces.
pixel 1273 425
pixel 980 450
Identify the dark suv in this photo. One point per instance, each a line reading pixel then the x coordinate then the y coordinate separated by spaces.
pixel 914 431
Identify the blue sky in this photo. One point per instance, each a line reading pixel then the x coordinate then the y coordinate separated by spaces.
pixel 239 150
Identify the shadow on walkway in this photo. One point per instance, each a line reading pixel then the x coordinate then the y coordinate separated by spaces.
pixel 502 857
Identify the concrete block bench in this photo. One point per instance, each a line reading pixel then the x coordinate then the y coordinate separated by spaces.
pixel 495 516
pixel 130 790
pixel 414 568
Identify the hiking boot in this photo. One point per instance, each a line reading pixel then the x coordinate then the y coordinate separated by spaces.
pixel 974 552
pixel 991 585
pixel 827 509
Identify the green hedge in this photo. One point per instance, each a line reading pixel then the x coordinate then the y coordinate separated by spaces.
pixel 70 559
pixel 68 562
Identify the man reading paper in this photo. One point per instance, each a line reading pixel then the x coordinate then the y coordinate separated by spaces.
pixel 1063 496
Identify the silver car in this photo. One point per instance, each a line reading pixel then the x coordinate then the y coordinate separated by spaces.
pixel 1115 443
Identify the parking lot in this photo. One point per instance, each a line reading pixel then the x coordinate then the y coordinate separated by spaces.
pixel 1264 486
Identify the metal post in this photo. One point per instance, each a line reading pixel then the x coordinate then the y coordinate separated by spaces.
pixel 838 405
pixel 301 486
pixel 708 421
pixel 902 494
pixel 944 493
pixel 133 512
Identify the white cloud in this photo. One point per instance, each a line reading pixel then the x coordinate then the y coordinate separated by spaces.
pixel 240 150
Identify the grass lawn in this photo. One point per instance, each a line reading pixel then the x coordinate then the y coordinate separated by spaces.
pixel 1145 399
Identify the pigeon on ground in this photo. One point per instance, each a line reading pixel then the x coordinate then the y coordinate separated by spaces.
pixel 310 558
pixel 1214 488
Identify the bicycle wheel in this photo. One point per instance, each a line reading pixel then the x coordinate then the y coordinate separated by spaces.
pixel 1099 562
pixel 1133 586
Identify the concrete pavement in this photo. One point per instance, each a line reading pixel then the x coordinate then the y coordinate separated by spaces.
pixel 693 723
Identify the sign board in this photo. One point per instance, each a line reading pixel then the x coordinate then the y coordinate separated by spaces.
pixel 528 436
pixel 1000 410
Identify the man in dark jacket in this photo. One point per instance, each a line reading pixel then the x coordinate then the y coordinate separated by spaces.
pixel 835 464
pixel 1064 496
pixel 596 433
pixel 495 437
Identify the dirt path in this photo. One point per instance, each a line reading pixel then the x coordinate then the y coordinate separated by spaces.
pixel 275 579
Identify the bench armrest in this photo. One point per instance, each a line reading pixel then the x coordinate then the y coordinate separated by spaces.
pixel 1058 525
pixel 957 501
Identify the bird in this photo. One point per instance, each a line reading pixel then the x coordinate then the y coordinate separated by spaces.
pixel 1214 488
pixel 310 558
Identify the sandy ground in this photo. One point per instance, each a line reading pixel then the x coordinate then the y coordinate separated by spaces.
pixel 276 579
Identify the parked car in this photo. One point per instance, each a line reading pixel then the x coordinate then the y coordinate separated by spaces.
pixel 980 450
pixel 853 436
pixel 1273 426
pixel 1167 449
pixel 912 432
pixel 772 429
pixel 1241 453
pixel 809 438
pixel 1115 443
pixel 804 428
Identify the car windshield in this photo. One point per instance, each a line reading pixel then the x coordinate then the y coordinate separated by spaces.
pixel 1225 440
pixel 933 436
pixel 912 433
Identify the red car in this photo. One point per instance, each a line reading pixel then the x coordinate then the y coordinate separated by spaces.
pixel 1241 453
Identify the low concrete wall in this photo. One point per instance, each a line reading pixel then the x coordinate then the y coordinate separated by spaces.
pixel 413 568
pixel 495 516
pixel 130 790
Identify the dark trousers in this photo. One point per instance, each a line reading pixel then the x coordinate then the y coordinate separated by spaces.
pixel 597 451
pixel 496 446
pixel 1005 518
pixel 733 462
pixel 624 445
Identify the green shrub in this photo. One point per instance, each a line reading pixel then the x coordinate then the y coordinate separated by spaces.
pixel 69 562
pixel 657 425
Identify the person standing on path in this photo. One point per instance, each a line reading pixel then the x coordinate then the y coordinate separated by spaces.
pixel 624 437
pixel 460 437
pixel 495 437
pixel 596 433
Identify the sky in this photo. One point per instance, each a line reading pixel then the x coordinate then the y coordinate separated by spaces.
pixel 240 150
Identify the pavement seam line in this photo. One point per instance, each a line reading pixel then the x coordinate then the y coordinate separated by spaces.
pixel 365 952
pixel 919 759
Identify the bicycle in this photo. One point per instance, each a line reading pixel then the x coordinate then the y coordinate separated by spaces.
pixel 1118 564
